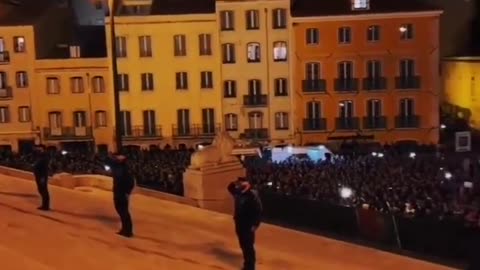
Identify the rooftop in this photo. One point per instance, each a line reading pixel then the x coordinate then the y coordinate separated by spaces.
pixel 311 8
pixel 170 7
pixel 24 12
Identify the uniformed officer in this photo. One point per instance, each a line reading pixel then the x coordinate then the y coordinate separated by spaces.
pixel 247 216
pixel 40 171
pixel 123 184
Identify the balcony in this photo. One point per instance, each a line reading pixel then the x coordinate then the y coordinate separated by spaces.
pixel 375 122
pixel 314 86
pixel 68 133
pixel 314 124
pixel 256 133
pixel 6 93
pixel 255 100
pixel 347 123
pixel 375 84
pixel 183 131
pixel 346 85
pixel 207 130
pixel 142 133
pixel 4 57
pixel 410 82
pixel 410 121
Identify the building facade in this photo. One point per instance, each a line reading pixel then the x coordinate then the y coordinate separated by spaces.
pixel 74 102
pixel 362 71
pixel 168 73
pixel 256 92
pixel 461 90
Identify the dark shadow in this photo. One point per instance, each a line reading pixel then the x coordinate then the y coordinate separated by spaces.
pixel 226 256
pixel 20 195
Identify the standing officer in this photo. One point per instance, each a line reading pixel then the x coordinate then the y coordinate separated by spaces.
pixel 247 216
pixel 40 171
pixel 123 185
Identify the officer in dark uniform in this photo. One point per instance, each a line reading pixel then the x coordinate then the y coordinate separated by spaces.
pixel 123 184
pixel 247 216
pixel 40 171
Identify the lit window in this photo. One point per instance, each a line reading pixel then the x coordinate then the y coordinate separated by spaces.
pixel 280 51
pixel 360 4
pixel 406 31
pixel 253 52
pixel 19 44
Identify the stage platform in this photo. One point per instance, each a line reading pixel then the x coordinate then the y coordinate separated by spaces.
pixel 80 234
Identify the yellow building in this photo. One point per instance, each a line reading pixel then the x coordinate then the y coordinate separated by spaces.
pixel 75 102
pixel 256 92
pixel 20 25
pixel 168 72
pixel 461 87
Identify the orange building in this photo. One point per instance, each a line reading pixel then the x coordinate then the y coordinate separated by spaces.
pixel 365 68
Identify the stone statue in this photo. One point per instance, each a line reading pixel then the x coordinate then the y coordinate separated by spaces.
pixel 220 151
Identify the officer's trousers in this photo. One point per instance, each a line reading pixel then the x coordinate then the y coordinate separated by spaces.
pixel 42 187
pixel 121 202
pixel 246 239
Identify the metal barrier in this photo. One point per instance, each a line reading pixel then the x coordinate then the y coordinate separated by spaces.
pixel 449 240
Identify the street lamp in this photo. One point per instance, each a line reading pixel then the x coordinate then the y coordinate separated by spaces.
pixel 114 5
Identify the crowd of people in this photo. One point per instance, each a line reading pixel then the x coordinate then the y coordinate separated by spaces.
pixel 412 184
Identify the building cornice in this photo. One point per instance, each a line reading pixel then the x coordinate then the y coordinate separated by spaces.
pixel 375 16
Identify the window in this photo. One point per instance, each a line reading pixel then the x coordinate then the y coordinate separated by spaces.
pixel 314 110
pixel 407 68
pixel 227 20
pixel 252 19
pixel 4 114
pixel 312 36
pixel 312 71
pixel 208 121
pixel 406 32
pixel 183 121
pixel 149 123
pixel 281 120
pixel 55 120
pixel 374 69
pixel 344 35
pixel 147 82
pixel 100 118
pixel 98 84
pixel 374 108
pixel 279 17
pixel 2 45
pixel 255 120
pixel 181 79
pixel 360 4
pixel 121 46
pixel 3 80
pixel 228 53
pixel 53 86
pixel 179 45
pixel 253 52
pixel 373 33
pixel 230 89
pixel 19 45
pixel 231 122
pixel 125 123
pixel 145 45
pixel 205 44
pixel 79 119
pixel 206 81
pixel 280 51
pixel 254 87
pixel 123 82
pixel 281 87
pixel 24 114
pixel 22 79
pixel 345 70
pixel 346 109
pixel 407 107
pixel 76 85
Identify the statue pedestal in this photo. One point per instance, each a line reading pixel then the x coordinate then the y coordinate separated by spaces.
pixel 208 185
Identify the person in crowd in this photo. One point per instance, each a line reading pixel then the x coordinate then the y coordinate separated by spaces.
pixel 40 171
pixel 247 217
pixel 123 184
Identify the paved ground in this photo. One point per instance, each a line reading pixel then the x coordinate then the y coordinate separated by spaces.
pixel 79 235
